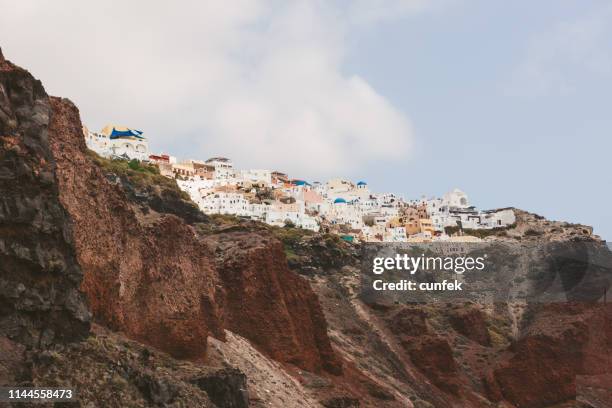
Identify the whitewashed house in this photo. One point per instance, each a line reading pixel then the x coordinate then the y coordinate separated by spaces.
pixel 396 234
pixel 224 168
pixel 118 141
pixel 280 215
pixel 502 217
pixel 256 176
pixel 225 203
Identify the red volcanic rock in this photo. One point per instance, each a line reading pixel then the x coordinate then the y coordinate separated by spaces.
pixel 535 361
pixel 409 322
pixel 433 356
pixel 149 275
pixel 565 341
pixel 270 305
pixel 472 324
pixel 429 352
pixel 151 279
pixel 491 388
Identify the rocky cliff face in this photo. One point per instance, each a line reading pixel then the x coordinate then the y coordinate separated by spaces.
pixel 470 354
pixel 40 303
pixel 269 304
pixel 145 274
pixel 148 272
pixel 129 242
pixel 282 305
pixel 563 345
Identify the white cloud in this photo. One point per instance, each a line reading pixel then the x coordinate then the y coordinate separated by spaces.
pixel 259 81
pixel 557 59
pixel 372 11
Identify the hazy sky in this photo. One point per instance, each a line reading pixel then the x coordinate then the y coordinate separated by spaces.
pixel 509 101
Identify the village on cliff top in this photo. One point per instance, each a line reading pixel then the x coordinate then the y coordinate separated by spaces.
pixel 338 206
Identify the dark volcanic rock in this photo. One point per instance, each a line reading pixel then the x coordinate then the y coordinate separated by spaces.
pixel 227 388
pixel 318 254
pixel 108 370
pixel 163 201
pixel 341 402
pixel 40 303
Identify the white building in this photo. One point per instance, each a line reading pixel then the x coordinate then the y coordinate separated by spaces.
pixel 259 211
pixel 97 142
pixel 396 234
pixel 336 187
pixel 343 212
pixel 456 199
pixel 225 203
pixel 256 176
pixel 336 203
pixel 118 141
pixel 224 168
pixel 300 220
pixel 280 214
pixel 374 233
pixel 502 217
pixel 454 210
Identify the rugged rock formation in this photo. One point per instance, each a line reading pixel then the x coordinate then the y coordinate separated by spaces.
pixel 409 321
pixel 156 269
pixel 433 356
pixel 532 227
pixel 145 274
pixel 148 274
pixel 227 388
pixel 129 241
pixel 470 354
pixel 269 304
pixel 108 370
pixel 563 343
pixel 39 275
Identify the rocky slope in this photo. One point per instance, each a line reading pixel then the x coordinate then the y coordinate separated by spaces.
pixel 268 304
pixel 128 242
pixel 191 310
pixel 40 303
pixel 512 353
pixel 143 256
pixel 149 274
pixel 144 274
pixel 109 370
pixel 562 345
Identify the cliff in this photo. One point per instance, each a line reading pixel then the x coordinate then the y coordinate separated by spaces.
pixel 83 238
pixel 268 303
pixel 527 354
pixel 144 274
pixel 112 281
pixel 40 304
pixel 148 273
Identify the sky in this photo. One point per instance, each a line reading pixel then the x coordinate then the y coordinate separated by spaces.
pixel 509 101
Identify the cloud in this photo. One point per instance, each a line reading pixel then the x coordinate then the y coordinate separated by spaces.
pixel 374 11
pixel 259 81
pixel 556 59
